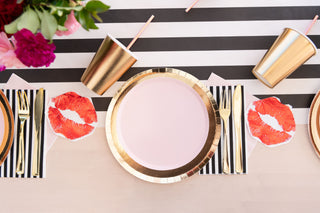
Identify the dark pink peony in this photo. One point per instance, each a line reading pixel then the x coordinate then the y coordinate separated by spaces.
pixel 2 68
pixel 33 50
pixel 9 11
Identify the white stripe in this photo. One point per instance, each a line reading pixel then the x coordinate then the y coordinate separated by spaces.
pixel 253 86
pixel 44 153
pixel 175 58
pixel 101 118
pixel 245 148
pixel 287 86
pixel 301 115
pixel 33 135
pixel 194 29
pixel 147 4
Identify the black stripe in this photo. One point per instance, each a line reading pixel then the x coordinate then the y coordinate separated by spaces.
pixel 5 163
pixel 213 163
pixel 201 171
pixel 14 93
pixel 295 100
pixel 211 14
pixel 28 173
pixel 101 104
pixel 231 133
pixel 207 168
pixel 243 133
pixel 12 173
pixel 176 44
pixel 219 146
pixel 200 72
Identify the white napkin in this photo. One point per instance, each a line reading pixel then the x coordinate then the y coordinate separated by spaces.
pixel 15 82
pixel 215 80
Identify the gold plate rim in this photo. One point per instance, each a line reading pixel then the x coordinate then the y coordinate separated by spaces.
pixel 7 139
pixel 173 175
pixel 314 123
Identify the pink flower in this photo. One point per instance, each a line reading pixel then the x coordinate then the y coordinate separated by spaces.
pixel 34 50
pixel 71 23
pixel 2 68
pixel 8 57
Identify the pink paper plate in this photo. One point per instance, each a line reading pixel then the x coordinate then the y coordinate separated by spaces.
pixel 163 125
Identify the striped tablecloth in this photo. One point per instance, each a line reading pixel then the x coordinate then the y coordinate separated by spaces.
pixel 8 168
pixel 223 37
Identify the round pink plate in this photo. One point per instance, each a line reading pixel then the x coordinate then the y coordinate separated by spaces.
pixel 163 125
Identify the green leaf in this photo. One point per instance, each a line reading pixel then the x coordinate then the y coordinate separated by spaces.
pixel 12 27
pixel 96 6
pixel 49 25
pixel 61 3
pixel 95 15
pixel 76 8
pixel 29 20
pixel 62 28
pixel 39 13
pixel 61 20
pixel 85 19
pixel 38 1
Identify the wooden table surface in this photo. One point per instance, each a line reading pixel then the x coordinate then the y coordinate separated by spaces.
pixel 84 177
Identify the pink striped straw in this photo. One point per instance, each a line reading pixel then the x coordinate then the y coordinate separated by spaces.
pixel 311 24
pixel 140 32
pixel 192 5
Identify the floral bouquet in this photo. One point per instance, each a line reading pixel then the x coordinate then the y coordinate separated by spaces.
pixel 28 26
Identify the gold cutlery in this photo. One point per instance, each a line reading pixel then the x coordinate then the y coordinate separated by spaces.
pixel 224 109
pixel 38 110
pixel 237 110
pixel 23 114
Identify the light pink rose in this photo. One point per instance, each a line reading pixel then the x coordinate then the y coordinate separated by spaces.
pixel 8 57
pixel 71 23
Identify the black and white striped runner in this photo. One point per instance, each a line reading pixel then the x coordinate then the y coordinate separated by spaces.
pixel 8 168
pixel 214 166
pixel 223 37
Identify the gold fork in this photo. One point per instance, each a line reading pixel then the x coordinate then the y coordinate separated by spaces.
pixel 23 114
pixel 224 109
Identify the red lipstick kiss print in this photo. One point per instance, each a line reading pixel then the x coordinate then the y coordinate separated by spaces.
pixel 270 121
pixel 72 116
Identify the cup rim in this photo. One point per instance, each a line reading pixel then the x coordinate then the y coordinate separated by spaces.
pixel 121 45
pixel 306 37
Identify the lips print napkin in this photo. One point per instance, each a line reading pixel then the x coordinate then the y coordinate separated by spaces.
pixel 8 168
pixel 217 85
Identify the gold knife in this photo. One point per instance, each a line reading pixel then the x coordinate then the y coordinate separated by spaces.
pixel 237 111
pixel 38 110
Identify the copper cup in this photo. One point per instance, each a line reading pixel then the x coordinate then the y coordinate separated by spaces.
pixel 110 62
pixel 288 52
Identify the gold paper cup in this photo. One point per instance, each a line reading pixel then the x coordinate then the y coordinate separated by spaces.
pixel 288 52
pixel 110 62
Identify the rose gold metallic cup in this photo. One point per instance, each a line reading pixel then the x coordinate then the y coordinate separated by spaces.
pixel 110 62
pixel 288 52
